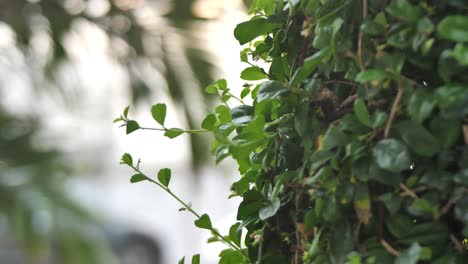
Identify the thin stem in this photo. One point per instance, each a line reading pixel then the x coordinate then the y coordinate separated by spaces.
pixel 394 110
pixel 189 208
pixel 166 129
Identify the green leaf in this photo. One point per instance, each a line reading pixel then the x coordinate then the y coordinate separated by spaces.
pixel 460 53
pixel 309 66
pixel 182 261
pixel 158 111
pixel 242 114
pixel 125 112
pixel 209 123
pixel 418 138
pixel 224 114
pixel 245 92
pixel 420 207
pixel 253 73
pixel 360 110
pixel 310 220
pixel 409 256
pixel 230 256
pixel 203 222
pixel 453 28
pixel 270 210
pixel 132 125
pixel 450 94
pixel 420 105
pixel 249 30
pixel 403 9
pixel 211 89
pixel 379 119
pixel 196 259
pixel 235 234
pixel 173 132
pixel 138 178
pixel 127 159
pixel 392 155
pixel 447 131
pixel 271 90
pixel 222 84
pixel 373 75
pixel 164 176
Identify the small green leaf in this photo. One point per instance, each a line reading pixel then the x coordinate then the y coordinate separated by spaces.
pixel 224 114
pixel 196 259
pixel 209 122
pixel 249 30
pixel 204 222
pixel 132 125
pixel 182 261
pixel 310 65
pixel 270 210
pixel 379 118
pixel 245 92
pixel 420 207
pixel 392 155
pixel 420 105
pixel 127 159
pixel 158 111
pixel 360 110
pixel 454 28
pixel 460 53
pixel 164 176
pixel 450 94
pixel 253 73
pixel 211 89
pixel 222 84
pixel 118 119
pixel 373 75
pixel 125 112
pixel 173 132
pixel 138 178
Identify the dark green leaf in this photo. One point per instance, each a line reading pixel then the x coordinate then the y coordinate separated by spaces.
pixel 449 95
pixel 235 234
pixel 164 176
pixel 447 131
pixel 253 73
pixel 270 210
pixel 420 105
pixel 360 110
pixel 392 155
pixel 241 114
pixel 158 111
pixel 453 28
pixel 249 30
pixel 379 119
pixel 409 256
pixel 209 122
pixel 270 90
pixel 460 53
pixel 173 132
pixel 204 222
pixel 421 206
pixel 138 178
pixel 127 159
pixel 403 9
pixel 132 125
pixel 418 138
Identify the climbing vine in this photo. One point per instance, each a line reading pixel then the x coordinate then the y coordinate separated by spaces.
pixel 355 148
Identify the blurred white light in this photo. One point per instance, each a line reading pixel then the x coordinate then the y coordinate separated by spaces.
pixel 97 8
pixel 74 7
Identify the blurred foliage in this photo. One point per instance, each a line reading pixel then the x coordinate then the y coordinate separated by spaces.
pixel 185 66
pixel 34 202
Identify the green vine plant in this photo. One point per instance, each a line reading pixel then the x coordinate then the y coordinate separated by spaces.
pixel 355 146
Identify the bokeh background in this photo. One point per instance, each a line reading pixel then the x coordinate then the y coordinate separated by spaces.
pixel 67 69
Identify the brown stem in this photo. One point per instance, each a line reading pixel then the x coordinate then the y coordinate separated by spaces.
pixel 407 191
pixel 389 248
pixel 394 110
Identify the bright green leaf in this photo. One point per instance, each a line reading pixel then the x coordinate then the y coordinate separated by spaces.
pixel 196 259
pixel 138 178
pixel 373 75
pixel 209 122
pixel 132 125
pixel 158 111
pixel 173 132
pixel 127 159
pixel 203 222
pixel 125 112
pixel 253 73
pixel 164 176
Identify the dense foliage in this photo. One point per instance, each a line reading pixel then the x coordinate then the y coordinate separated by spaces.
pixel 355 148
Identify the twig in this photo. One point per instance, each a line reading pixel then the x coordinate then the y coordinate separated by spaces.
pixel 360 35
pixel 407 192
pixel 394 110
pixel 447 207
pixel 389 248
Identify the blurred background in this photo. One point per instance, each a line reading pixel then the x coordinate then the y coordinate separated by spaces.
pixel 67 69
